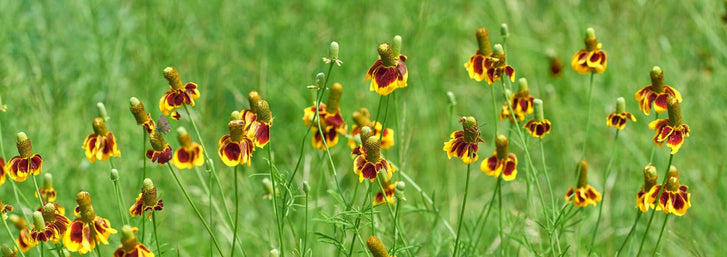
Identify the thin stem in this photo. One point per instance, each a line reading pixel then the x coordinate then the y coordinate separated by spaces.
pixel 373 221
pixel 278 215
pixel 499 206
pixel 605 179
pixel 143 148
pixel 486 215
pixel 327 150
pixel 461 212
pixel 10 235
pixel 653 146
pixel 42 250
pixel 393 217
pixel 547 177
pixel 120 202
pixel 37 191
pixel 658 196
pixel 631 231
pixel 237 212
pixel 656 247
pixel 357 223
pixel 396 223
pixel 494 108
pixel 305 234
pixel 429 201
pixel 156 238
pixel 194 207
pixel 588 123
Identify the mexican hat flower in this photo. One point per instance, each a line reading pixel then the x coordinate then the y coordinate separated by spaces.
pixel 4 209
pixel 87 230
pixel 48 194
pixel 670 130
pixel 590 59
pixel 160 152
pixel 3 171
pixel 362 119
pixel 188 155
pixel 556 65
pixel 146 201
pixel 674 197
pixel 101 144
pixel 178 95
pixel 649 182
pixel 463 143
pixel 499 66
pixel 388 72
pixel 656 94
pixel 618 118
pixel 521 103
pixel 331 123
pixel 480 61
pixel 237 147
pixel 263 119
pixel 49 224
pixel 368 161
pixel 142 117
pixel 130 246
pixel 539 126
pixel 387 196
pixel 21 166
pixel 585 194
pixel 501 162
pixel 24 241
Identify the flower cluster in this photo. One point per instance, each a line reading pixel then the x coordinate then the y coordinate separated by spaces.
pixel 248 129
pixel 362 119
pixel 671 130
pixel 673 198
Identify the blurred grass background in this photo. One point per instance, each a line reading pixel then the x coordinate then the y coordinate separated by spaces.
pixel 59 58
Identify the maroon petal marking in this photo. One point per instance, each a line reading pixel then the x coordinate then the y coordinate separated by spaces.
pixel 182 155
pixel 402 70
pixel 369 171
pixel 385 76
pixel 232 151
pixel 477 64
pixel 492 163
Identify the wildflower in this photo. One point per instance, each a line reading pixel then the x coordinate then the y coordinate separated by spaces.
pixel 463 143
pixel 161 152
pixel 4 209
pixel 189 154
pixel 389 190
pixel 362 119
pixel 49 224
pixel 88 229
pixel 649 182
pixel 539 126
pixel 501 162
pixel 618 119
pixel 263 119
pixel 670 130
pixel 521 103
pixel 130 246
pixel 20 167
pixel 101 144
pixel 498 66
pixel 332 123
pixel 388 72
pixel 674 197
pixel 657 93
pixel 585 194
pixel 146 201
pixel 480 62
pixel 237 147
pixel 556 65
pixel 506 114
pixel 3 171
pixel 368 161
pixel 24 241
pixel 47 192
pixel 590 59
pixel 376 248
pixel 333 54
pixel 141 116
pixel 178 94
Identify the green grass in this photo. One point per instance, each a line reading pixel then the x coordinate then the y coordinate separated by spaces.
pixel 60 58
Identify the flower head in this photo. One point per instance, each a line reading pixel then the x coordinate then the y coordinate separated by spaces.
pixel 331 123
pixel 501 162
pixel 130 246
pixel 101 144
pixel 21 166
pixel 3 171
pixel 333 54
pixel 141 116
pixel 88 229
pixel 237 147
pixel 618 118
pixel 263 119
pixel 189 154
pixel 48 194
pixel 387 196
pixel 670 130
pixel 556 65
pixel 590 59
pixel 178 94
pixel 498 66
pixel 161 152
pixel 362 119
pixel 4 209
pixel 539 126
pixel 376 248
pixel 463 143
pixel 585 194
pixel 49 224
pixel 521 102
pixel 368 161
pixel 146 201
pixel 674 197
pixel 649 182
pixel 480 61
pixel 388 72
pixel 656 94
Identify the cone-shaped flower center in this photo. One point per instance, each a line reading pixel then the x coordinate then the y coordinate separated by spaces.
pixel 672 182
pixel 49 212
pixel 38 221
pixel 483 41
pixel 538 106
pixel 373 149
pixel 85 207
pixel 471 131
pixel 620 105
pixel 376 247
pixel 334 98
pixel 361 117
pixel 173 77
pixel 48 181
pixel 501 144
pixel 657 79
pixel 183 136
pixel 583 178
pixel 366 132
pixel 128 238
pixel 387 55
pixel 157 141
pixel 99 127
pixel 649 177
pixel 675 112
pixel 237 129
pixel 396 46
pixel 591 40
pixel 24 147
pixel 137 108
pixel 263 111
pixel 253 97
pixel 523 85
pixel 498 52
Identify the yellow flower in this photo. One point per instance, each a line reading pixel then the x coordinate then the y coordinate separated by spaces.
pixel 463 143
pixel 584 194
pixel 101 144
pixel 590 59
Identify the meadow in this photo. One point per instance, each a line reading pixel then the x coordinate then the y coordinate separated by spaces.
pixel 61 58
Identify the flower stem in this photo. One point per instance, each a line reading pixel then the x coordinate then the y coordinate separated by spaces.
pixel 393 217
pixel 194 207
pixel 305 234
pixel 278 215
pixel 156 238
pixel 358 222
pixel 461 212
pixel 499 206
pixel 494 108
pixel 10 235
pixel 37 191
pixel 143 156
pixel 237 212
pixel 120 202
pixel 656 247
pixel 486 215
pixel 605 179
pixel 547 177
pixel 631 231
pixel 653 146
pixel 428 200
pixel 658 195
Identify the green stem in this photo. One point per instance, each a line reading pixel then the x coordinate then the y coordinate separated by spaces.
pixel 143 148
pixel 305 234
pixel 631 231
pixel 461 212
pixel 357 223
pixel 194 207
pixel 656 247
pixel 10 235
pixel 494 108
pixel 605 179
pixel 396 223
pixel 42 250
pixel 658 196
pixel 429 201
pixel 37 191
pixel 588 123
pixel 547 177
pixel 653 146
pixel 120 202
pixel 393 217
pixel 237 211
pixel 278 215
pixel 327 150
pixel 371 196
pixel 486 215
pixel 499 206
pixel 156 238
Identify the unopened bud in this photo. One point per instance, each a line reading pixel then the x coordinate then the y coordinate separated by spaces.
pixel 114 175
pixel 274 253
pixel 267 186
pixel 306 187
pixel 396 46
pixel 320 80
pixel 102 111
pixel 333 51
pixel 451 100
pixel 504 31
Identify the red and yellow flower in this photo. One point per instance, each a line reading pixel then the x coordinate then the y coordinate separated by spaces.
pixel 141 116
pixel 388 72
pixel 48 194
pixel 130 246
pixel 368 162
pixel 331 123
pixel 20 167
pixel 674 197
pixel 498 66
pixel 4 209
pixel 24 241
pixel 88 229
pixel 656 94
pixel 649 182
pixel 670 130
pixel 556 66
pixel 263 119
pixel 618 118
pixel 3 171
pixel 501 162
pixel 146 201
pixel 481 61
pixel 463 143
pixel 387 196
pixel 178 94
pixel 161 152
pixel 362 119
pixel 50 225
pixel 585 194
pixel 521 103
pixel 188 155
pixel 539 126
pixel 590 59
pixel 101 144
pixel 237 147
